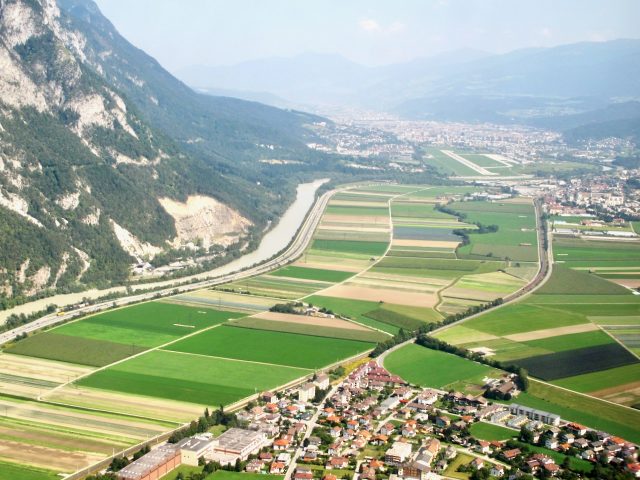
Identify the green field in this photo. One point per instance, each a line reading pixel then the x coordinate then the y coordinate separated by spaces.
pixel 565 281
pixel 592 382
pixel 572 341
pixel 430 368
pixel 353 309
pixel 304 351
pixel 351 246
pixel 333 276
pixel 489 431
pixel 11 471
pixel 147 324
pixel 315 330
pixel 357 210
pixel 590 411
pixel 186 470
pixel 461 459
pixel 111 336
pixel 66 348
pixel 191 378
pixel 516 236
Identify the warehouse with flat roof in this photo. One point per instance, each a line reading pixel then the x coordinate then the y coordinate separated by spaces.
pixel 153 465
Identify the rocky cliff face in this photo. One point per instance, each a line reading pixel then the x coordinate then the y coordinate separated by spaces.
pixel 90 141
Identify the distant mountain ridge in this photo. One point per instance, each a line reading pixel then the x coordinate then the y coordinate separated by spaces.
pixel 536 86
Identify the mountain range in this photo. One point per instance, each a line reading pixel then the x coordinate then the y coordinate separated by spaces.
pixel 547 87
pixel 106 158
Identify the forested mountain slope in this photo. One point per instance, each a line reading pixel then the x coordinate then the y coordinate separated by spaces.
pixel 95 137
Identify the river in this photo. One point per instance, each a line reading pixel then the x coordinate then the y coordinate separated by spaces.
pixel 272 243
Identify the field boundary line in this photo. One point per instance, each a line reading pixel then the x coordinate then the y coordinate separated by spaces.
pixel 619 342
pixel 369 267
pixel 235 359
pixel 104 367
pixel 583 394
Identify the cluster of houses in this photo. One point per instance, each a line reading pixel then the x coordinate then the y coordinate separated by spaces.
pixel 374 424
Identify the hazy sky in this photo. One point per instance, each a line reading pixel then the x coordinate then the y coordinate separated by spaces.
pixel 217 32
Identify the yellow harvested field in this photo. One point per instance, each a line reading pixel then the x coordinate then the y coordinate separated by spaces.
pixel 308 320
pixel 424 243
pixel 629 283
pixel 40 369
pixel 46 414
pixel 130 404
pixel 627 394
pixel 551 332
pixel 400 286
pixel 382 195
pixel 413 299
pixel 45 457
pixel 367 220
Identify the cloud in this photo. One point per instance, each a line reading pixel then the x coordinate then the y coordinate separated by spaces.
pixel 373 26
pixel 369 25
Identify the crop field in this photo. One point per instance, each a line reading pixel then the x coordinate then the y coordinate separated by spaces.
pixel 197 379
pixel 61 439
pixel 430 368
pixel 221 300
pixel 10 471
pixel 278 348
pixel 516 236
pixel 565 281
pixel 363 334
pixel 353 309
pixel 276 286
pixel 99 339
pixel 350 246
pixel 595 413
pixel 321 275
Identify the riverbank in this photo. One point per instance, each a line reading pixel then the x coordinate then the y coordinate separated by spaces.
pixel 274 241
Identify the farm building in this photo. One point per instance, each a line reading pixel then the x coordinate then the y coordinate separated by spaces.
pixel 235 444
pixel 533 414
pixel 152 466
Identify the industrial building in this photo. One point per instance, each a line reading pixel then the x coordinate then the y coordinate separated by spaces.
pixel 153 465
pixel 192 448
pixel 236 444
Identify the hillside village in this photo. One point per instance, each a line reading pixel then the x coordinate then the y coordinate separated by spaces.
pixel 372 425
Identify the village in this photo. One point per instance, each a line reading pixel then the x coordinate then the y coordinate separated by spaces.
pixel 372 425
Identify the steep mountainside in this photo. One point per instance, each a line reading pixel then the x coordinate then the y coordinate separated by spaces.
pixel 94 133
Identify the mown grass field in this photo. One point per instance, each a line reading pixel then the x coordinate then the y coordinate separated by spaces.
pixel 279 348
pixel 353 309
pixel 11 471
pixel 314 330
pixel 592 382
pixel 489 431
pixel 321 275
pixel 516 236
pixel 191 378
pixel 430 368
pixel 590 411
pixel 350 246
pixel 565 281
pixel 111 336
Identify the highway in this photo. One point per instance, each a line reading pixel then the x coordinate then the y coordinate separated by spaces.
pixel 293 251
